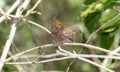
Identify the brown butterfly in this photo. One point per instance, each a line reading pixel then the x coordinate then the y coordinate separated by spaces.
pixel 60 33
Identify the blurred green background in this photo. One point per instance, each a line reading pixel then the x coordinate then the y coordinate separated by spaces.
pixel 82 16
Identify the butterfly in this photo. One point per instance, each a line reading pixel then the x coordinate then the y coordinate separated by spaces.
pixel 60 33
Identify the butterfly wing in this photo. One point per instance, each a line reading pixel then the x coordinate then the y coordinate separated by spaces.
pixel 60 33
pixel 56 26
pixel 68 35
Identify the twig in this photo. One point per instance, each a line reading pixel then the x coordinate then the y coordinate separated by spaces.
pixel 4 14
pixel 12 33
pixel 34 56
pixel 44 61
pixel 31 63
pixel 68 55
pixel 33 23
pixel 59 53
pixel 29 11
pixel 29 50
pixel 7 46
pixel 49 45
pixel 74 55
pixel 92 47
pixel 93 63
pixel 38 25
pixel 10 10
pixel 98 56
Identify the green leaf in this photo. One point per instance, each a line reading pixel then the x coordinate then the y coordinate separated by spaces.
pixel 106 40
pixel 107 15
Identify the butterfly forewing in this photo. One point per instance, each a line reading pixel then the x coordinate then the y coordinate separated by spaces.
pixel 56 26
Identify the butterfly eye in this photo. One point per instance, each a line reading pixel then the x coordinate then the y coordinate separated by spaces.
pixel 60 25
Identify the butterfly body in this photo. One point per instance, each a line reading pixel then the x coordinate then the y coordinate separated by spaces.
pixel 60 33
